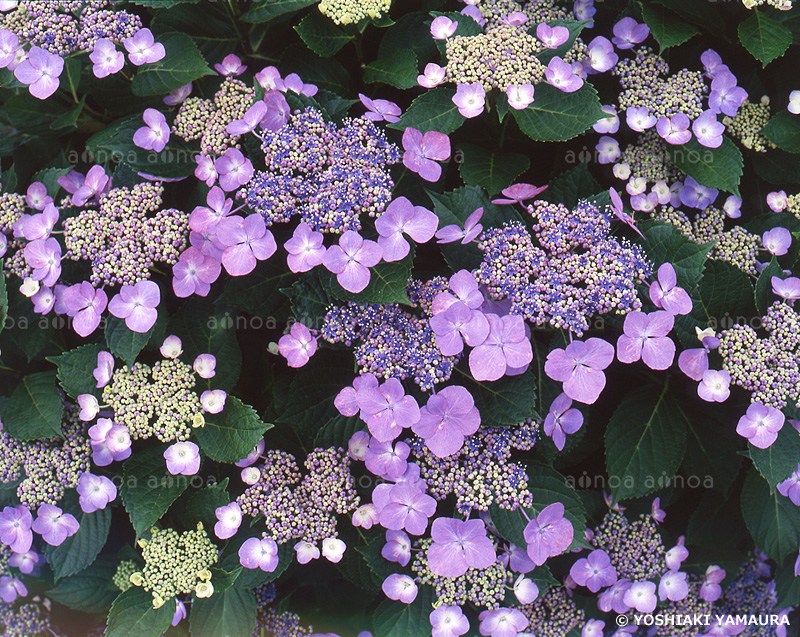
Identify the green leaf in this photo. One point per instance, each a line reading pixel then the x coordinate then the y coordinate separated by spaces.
pixel 433 110
pixel 35 408
pixel 555 116
pixel 410 32
pixel 666 27
pixel 207 23
pixel 124 342
pixel 79 551
pixel 776 167
pixel 666 244
pixel 379 567
pixel 783 130
pixel 703 14
pixel 778 461
pixel 202 503
pixel 763 292
pixel 147 488
pixel 266 10
pixel 321 35
pixel 772 519
pixel 257 293
pixel 546 486
pixel 724 290
pixel 571 186
pixel 231 613
pixel 787 585
pixel 711 448
pixel 490 170
pixel 90 590
pixel 765 38
pixel 132 615
pixel 645 442
pixel 387 283
pixel 398 70
pixel 75 370
pixel 395 619
pixel 183 63
pixel 309 299
pixel 231 434
pixel 719 168
pixel 206 329
pixel 49 177
pixel 29 114
pixel 338 431
pixel 508 401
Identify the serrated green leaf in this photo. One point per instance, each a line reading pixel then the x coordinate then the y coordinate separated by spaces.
pixel 665 244
pixel 763 292
pixel 124 342
pixel 181 64
pixel 132 615
pixel 230 435
pixel 70 118
pixel 379 567
pixel 666 27
pixel 202 503
pixel 257 293
pixel 309 299
pixel 265 10
pixel 778 461
pixel 571 186
pixel 321 35
pixel 645 442
pixel 35 408
pixel 395 619
pixel 207 23
pixel 492 171
pixel 398 70
pixel 711 448
pixel 719 168
pixel 231 613
pixel 508 401
pixel 411 31
pixel 723 290
pixel 147 488
pixel 433 110
pixel 765 38
pixel 337 431
pixel 783 130
pixel 787 585
pixel 387 283
pixel 79 551
pixel 49 177
pixel 772 519
pixel 703 14
pixel 547 486
pixel 90 590
pixel 206 329
pixel 555 116
pixel 776 167
pixel 75 370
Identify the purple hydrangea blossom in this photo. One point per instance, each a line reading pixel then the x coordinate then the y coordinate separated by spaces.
pixel 451 233
pixel 403 506
pixel 552 37
pixel 675 129
pixel 562 419
pixel 183 458
pixel 788 288
pixel 639 118
pixel 714 386
pixel 777 241
pixel 423 151
pixel 525 590
pixel 230 66
pixel 333 549
pixel 107 60
pixel 259 553
pixel 726 97
pixel 403 217
pixel 432 76
pixel 298 346
pixel 39 226
pixel 610 123
pixel 708 130
pixel 548 534
pixel 252 118
pixel 673 586
pixel 518 193
pixel 179 95
pixel 502 622
pixel 443 27
pixel 95 183
pixel 560 74
pixel 459 324
pixel 306 552
pixel 386 461
pixel 507 347
pixel 346 400
pixel 387 409
pixel 37 198
pixel 11 588
pixel 9 45
pixel 85 305
pixel 446 420
pixel 790 487
pixel 40 72
pixel 137 305
pixel 109 442
pixel 646 338
pixel 15 528
pixel 213 401
pixel 628 32
pixel 229 519
pixel 54 525
pixel 143 49
pixel 665 293
pixel 194 273
pixel 470 99
pixel 594 571
pixel 233 169
pixel 397 547
pixel 580 367
pixel 459 545
pixel 400 587
pixel 95 492
pixel 760 425
pixel 305 249
pixel 677 555
pixel 155 135
pixel 44 256
pixel 641 596
pixel 601 56
pixel 351 260
pixel 696 196
pixel 520 96
pixel 710 589
pixel 247 241
pixel 448 621
pixel 380 110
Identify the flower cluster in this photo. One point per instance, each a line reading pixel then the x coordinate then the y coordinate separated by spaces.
pixel 176 563
pixel 353 11
pixel 328 175
pixel 577 271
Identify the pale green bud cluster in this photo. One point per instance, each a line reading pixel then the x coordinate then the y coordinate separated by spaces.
pixel 747 125
pixel 122 576
pixel 353 11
